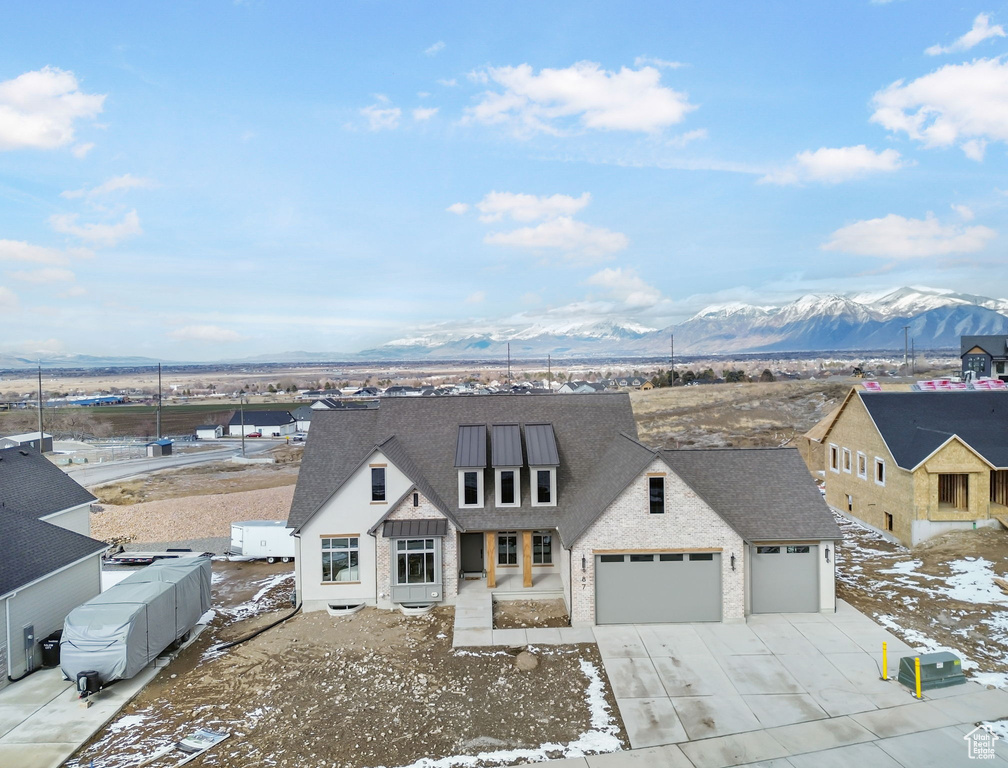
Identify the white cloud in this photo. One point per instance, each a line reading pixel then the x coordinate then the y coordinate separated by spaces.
pixel 457 208
pixel 20 251
pixel 642 61
pixel 98 234
pixel 683 139
pixel 44 276
pixel 381 115
pixel 80 151
pixel 207 333
pixel 424 113
pixel 38 109
pixel 448 83
pixel 115 184
pixel 520 207
pixel 964 211
pixel 8 299
pixel 628 100
pixel 435 49
pixel 965 104
pixel 563 234
pixel 478 297
pixel 900 238
pixel 626 286
pixel 73 291
pixel 834 165
pixel 982 30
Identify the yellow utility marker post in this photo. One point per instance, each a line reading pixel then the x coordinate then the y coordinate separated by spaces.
pixel 917 674
pixel 885 663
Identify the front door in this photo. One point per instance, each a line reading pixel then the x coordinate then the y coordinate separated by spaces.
pixel 471 546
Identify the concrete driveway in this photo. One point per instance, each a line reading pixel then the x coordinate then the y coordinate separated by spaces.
pixel 779 687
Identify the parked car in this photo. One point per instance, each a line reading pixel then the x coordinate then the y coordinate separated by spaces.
pixel 254 434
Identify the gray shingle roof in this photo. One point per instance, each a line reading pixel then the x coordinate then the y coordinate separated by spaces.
pixel 915 424
pixel 541 444
pixel 765 494
pixel 33 485
pixel 505 445
pixel 470 446
pixel 996 346
pixel 262 418
pixel 426 433
pixel 31 549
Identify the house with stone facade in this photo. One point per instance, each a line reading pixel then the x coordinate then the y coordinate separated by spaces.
pixel 913 465
pixel 415 500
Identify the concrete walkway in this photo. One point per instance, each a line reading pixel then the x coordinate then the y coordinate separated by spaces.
pixel 791 689
pixel 474 626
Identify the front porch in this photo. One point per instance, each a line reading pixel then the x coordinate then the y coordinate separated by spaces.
pixel 511 586
pixel 510 565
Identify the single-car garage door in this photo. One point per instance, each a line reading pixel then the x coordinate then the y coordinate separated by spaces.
pixel 657 588
pixel 785 578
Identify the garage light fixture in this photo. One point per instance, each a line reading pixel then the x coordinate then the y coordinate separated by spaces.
pixel 827 554
pixel 733 561
pixel 584 564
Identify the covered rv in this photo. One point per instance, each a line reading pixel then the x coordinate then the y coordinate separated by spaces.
pixel 122 630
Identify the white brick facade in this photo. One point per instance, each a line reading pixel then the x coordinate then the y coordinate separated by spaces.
pixel 449 550
pixel 687 524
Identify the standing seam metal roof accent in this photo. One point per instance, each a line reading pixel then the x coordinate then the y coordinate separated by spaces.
pixel 542 447
pixel 505 445
pixel 414 529
pixel 470 447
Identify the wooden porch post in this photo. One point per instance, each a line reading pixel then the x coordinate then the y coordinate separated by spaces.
pixel 490 559
pixel 527 558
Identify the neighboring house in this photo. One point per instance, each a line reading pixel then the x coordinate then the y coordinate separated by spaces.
pixel 580 388
pixel 266 423
pixel 157 448
pixel 302 418
pixel 414 500
pixel 29 440
pixel 810 445
pixel 985 356
pixel 210 431
pixel 917 464
pixel 402 391
pixel 48 563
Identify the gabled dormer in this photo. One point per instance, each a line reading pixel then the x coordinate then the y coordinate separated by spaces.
pixel 543 461
pixel 507 460
pixel 470 461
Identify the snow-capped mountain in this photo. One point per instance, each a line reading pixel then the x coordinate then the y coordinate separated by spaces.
pixel 814 322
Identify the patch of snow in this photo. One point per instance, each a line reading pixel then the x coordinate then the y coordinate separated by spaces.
pixel 997 679
pixel 126 722
pixel 973 582
pixel 997 727
pixel 907 566
pixel 270 583
pixel 922 642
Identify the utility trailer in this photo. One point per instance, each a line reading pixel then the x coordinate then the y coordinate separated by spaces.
pixel 128 557
pixel 268 540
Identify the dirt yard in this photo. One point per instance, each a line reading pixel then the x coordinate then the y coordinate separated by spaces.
pixel 523 614
pixel 374 688
pixel 940 595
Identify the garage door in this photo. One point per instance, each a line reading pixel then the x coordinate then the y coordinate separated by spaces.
pixel 785 578
pixel 657 588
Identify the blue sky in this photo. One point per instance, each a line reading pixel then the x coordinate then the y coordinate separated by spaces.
pixel 210 180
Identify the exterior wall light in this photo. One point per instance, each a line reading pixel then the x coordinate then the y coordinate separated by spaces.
pixel 584 563
pixel 827 554
pixel 733 561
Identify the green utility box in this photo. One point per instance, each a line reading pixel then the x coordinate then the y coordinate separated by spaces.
pixel 937 670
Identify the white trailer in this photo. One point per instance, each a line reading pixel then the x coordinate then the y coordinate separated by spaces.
pixel 268 540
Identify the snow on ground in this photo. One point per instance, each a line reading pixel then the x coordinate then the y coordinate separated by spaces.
pixel 252 607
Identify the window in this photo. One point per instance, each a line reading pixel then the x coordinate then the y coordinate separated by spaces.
pixel 887 520
pixel 470 488
pixel 656 495
pixel 704 556
pixel 507 488
pixel 542 548
pixel 470 492
pixel 862 466
pixel 416 499
pixel 879 471
pixel 415 561
pixel 339 559
pixel 953 490
pixel 846 460
pixel 767 550
pixel 377 483
pixel 611 558
pixel 507 548
pixel 670 558
pixel 641 558
pixel 798 550
pixel 545 480
pixel 999 486
pixel 834 458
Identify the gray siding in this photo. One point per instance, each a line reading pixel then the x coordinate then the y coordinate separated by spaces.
pixel 47 603
pixel 76 519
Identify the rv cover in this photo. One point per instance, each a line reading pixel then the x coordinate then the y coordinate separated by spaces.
pixel 119 632
pixel 191 577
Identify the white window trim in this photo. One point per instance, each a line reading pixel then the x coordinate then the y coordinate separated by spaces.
pixel 479 488
pixel 834 447
pixel 534 486
pixel 847 461
pixel 875 467
pixel 862 457
pixel 517 486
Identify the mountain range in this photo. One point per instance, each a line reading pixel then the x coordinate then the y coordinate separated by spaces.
pixel 935 319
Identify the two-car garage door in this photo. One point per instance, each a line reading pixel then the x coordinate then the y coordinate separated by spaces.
pixel 658 588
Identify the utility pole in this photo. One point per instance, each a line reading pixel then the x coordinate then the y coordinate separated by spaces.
pixel 906 361
pixel 549 372
pixel 159 401
pixel 41 440
pixel 241 404
pixel 671 377
pixel 913 357
pixel 509 363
